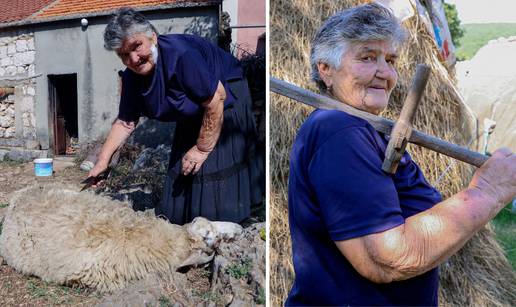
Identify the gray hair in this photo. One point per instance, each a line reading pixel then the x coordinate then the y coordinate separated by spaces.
pixel 368 22
pixel 125 23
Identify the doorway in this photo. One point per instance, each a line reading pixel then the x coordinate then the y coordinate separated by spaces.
pixel 63 117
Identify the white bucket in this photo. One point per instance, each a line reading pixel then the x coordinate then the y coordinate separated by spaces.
pixel 43 167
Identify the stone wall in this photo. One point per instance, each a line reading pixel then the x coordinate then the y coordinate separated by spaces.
pixel 7 116
pixel 17 54
pixel 17 65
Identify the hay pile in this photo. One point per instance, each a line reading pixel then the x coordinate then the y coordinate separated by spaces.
pixel 479 275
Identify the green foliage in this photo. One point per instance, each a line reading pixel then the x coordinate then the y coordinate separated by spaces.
pixel 54 294
pixel 240 270
pixel 164 301
pixel 8 285
pixel 4 206
pixel 36 290
pixel 260 296
pixel 262 234
pixel 453 23
pixel 9 162
pixel 208 296
pixel 505 228
pixel 477 35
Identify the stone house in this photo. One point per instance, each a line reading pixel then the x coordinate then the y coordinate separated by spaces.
pixel 58 85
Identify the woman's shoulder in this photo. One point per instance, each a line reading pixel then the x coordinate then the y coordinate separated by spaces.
pixel 324 125
pixel 331 121
pixel 175 42
pixel 181 43
pixel 172 37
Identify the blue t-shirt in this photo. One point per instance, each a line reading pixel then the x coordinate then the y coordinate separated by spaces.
pixel 338 191
pixel 186 74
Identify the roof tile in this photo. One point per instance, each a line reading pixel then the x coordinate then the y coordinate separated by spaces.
pixel 15 10
pixel 72 7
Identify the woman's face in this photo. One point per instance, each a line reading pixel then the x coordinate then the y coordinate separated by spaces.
pixel 136 53
pixel 366 76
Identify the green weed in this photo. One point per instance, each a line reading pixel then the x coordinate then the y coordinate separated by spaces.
pixel 164 301
pixel 240 270
pixel 9 162
pixel 263 235
pixel 260 296
pixel 36 290
pixel 208 296
pixel 8 286
pixel 54 294
pixel 505 228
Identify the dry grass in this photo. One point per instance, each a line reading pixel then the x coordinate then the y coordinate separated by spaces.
pixel 479 275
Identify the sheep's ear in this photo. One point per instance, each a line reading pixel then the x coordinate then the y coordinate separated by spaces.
pixel 197 257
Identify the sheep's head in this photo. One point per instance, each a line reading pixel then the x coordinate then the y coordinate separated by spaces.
pixel 205 236
pixel 213 232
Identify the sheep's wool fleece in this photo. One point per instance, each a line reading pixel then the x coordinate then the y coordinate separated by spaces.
pixel 67 237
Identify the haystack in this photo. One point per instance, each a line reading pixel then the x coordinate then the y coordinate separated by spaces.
pixel 479 275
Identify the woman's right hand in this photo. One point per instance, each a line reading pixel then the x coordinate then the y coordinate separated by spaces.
pixel 120 131
pixel 99 167
pixel 496 179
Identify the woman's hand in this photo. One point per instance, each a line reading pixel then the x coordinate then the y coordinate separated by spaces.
pixel 496 179
pixel 120 131
pixel 193 160
pixel 99 167
pixel 209 133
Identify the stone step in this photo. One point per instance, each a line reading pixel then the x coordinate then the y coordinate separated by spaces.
pixel 11 143
pixel 22 155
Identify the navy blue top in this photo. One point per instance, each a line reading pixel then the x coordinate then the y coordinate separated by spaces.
pixel 338 191
pixel 186 74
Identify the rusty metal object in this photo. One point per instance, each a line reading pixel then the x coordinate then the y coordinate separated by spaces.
pixel 6 91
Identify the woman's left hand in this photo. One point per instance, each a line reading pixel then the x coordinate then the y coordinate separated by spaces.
pixel 193 160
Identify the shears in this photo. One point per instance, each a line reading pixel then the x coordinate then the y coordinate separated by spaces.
pixel 92 180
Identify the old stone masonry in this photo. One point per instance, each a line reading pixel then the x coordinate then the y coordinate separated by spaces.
pixel 17 87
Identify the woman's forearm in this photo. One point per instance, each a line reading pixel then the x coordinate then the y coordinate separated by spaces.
pixel 117 136
pixel 424 241
pixel 212 120
pixel 429 238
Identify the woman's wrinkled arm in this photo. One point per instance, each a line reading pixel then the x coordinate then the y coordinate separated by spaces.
pixel 212 120
pixel 119 133
pixel 427 239
pixel 209 132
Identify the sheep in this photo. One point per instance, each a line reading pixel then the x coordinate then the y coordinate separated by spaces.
pixel 80 238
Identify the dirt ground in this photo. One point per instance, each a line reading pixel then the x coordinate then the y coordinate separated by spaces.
pixel 19 290
pixel 15 288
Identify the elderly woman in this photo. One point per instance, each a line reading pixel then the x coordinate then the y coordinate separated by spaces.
pixel 186 79
pixel 361 236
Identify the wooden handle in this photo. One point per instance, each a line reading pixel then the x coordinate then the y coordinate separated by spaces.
pixel 408 112
pixel 403 127
pixel 446 148
pixel 379 123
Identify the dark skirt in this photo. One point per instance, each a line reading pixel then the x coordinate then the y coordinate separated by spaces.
pixel 232 177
